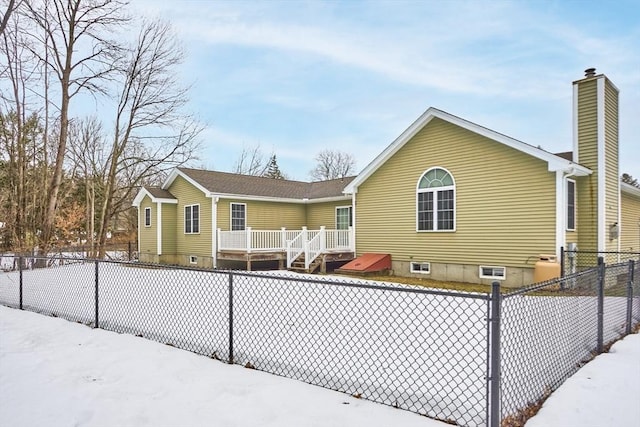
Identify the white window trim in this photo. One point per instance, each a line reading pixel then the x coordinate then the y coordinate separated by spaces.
pixel 145 217
pixel 575 206
pixel 193 259
pixel 184 225
pixel 435 201
pixel 493 267
pixel 350 215
pixel 412 270
pixel 231 215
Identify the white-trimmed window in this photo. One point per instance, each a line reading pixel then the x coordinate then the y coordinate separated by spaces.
pixel 571 205
pixel 193 259
pixel 192 219
pixel 344 218
pixel 421 267
pixel 147 217
pixel 238 216
pixel 436 200
pixel 493 272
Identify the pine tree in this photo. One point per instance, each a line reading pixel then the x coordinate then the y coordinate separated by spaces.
pixel 273 171
pixel 626 178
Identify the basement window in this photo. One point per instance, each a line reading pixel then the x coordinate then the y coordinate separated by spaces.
pixel 421 267
pixel 491 272
pixel 193 259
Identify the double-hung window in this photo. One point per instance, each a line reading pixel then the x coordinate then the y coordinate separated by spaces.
pixel 192 219
pixel 238 216
pixel 436 201
pixel 571 205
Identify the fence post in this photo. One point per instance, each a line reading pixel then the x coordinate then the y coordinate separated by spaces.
pixel 494 356
pixel 20 260
pixel 561 261
pixel 601 274
pixel 630 295
pixel 129 248
pixel 96 324
pixel 230 361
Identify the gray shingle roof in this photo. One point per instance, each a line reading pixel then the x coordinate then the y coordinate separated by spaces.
pixel 159 193
pixel 247 185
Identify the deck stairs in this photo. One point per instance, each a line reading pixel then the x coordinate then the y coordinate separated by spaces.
pixel 299 264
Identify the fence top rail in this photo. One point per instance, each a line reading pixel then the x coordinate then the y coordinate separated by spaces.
pixel 551 282
pixel 601 252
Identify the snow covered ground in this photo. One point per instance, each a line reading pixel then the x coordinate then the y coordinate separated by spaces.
pixel 58 373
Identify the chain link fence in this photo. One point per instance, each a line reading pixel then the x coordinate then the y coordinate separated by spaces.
pixel 572 261
pixel 465 358
pixel 113 251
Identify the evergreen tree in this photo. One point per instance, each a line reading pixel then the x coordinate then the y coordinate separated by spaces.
pixel 273 171
pixel 626 178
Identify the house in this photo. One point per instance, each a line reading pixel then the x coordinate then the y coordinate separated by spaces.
pixel 217 219
pixel 448 199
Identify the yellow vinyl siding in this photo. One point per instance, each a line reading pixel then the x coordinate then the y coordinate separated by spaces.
pixel 319 214
pixel 148 235
pixel 263 215
pixel 630 218
pixel 612 178
pixel 505 202
pixel 192 244
pixel 169 215
pixel 588 156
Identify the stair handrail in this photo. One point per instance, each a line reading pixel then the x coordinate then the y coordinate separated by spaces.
pixel 315 247
pixel 295 247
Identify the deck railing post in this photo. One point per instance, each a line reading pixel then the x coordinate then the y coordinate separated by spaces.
pixel 352 240
pixel 283 238
pixel 248 232
pixel 305 242
pixel 630 296
pixel 323 238
pixel 601 280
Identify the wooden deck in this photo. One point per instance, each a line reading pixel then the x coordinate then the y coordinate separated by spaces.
pixel 301 250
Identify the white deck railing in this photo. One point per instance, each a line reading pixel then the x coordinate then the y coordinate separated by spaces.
pixel 294 242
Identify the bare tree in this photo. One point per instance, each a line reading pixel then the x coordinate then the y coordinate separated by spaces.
pixel 332 164
pixel 252 161
pixel 12 5
pixel 152 133
pixel 76 50
pixel 20 136
pixel 88 157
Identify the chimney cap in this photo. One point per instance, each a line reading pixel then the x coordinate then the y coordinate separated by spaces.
pixel 590 72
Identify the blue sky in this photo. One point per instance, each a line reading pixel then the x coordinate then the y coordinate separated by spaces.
pixel 297 77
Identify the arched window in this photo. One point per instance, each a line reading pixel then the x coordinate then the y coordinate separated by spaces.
pixel 436 197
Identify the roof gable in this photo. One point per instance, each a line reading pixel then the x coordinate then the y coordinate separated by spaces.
pixel 156 194
pixel 554 162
